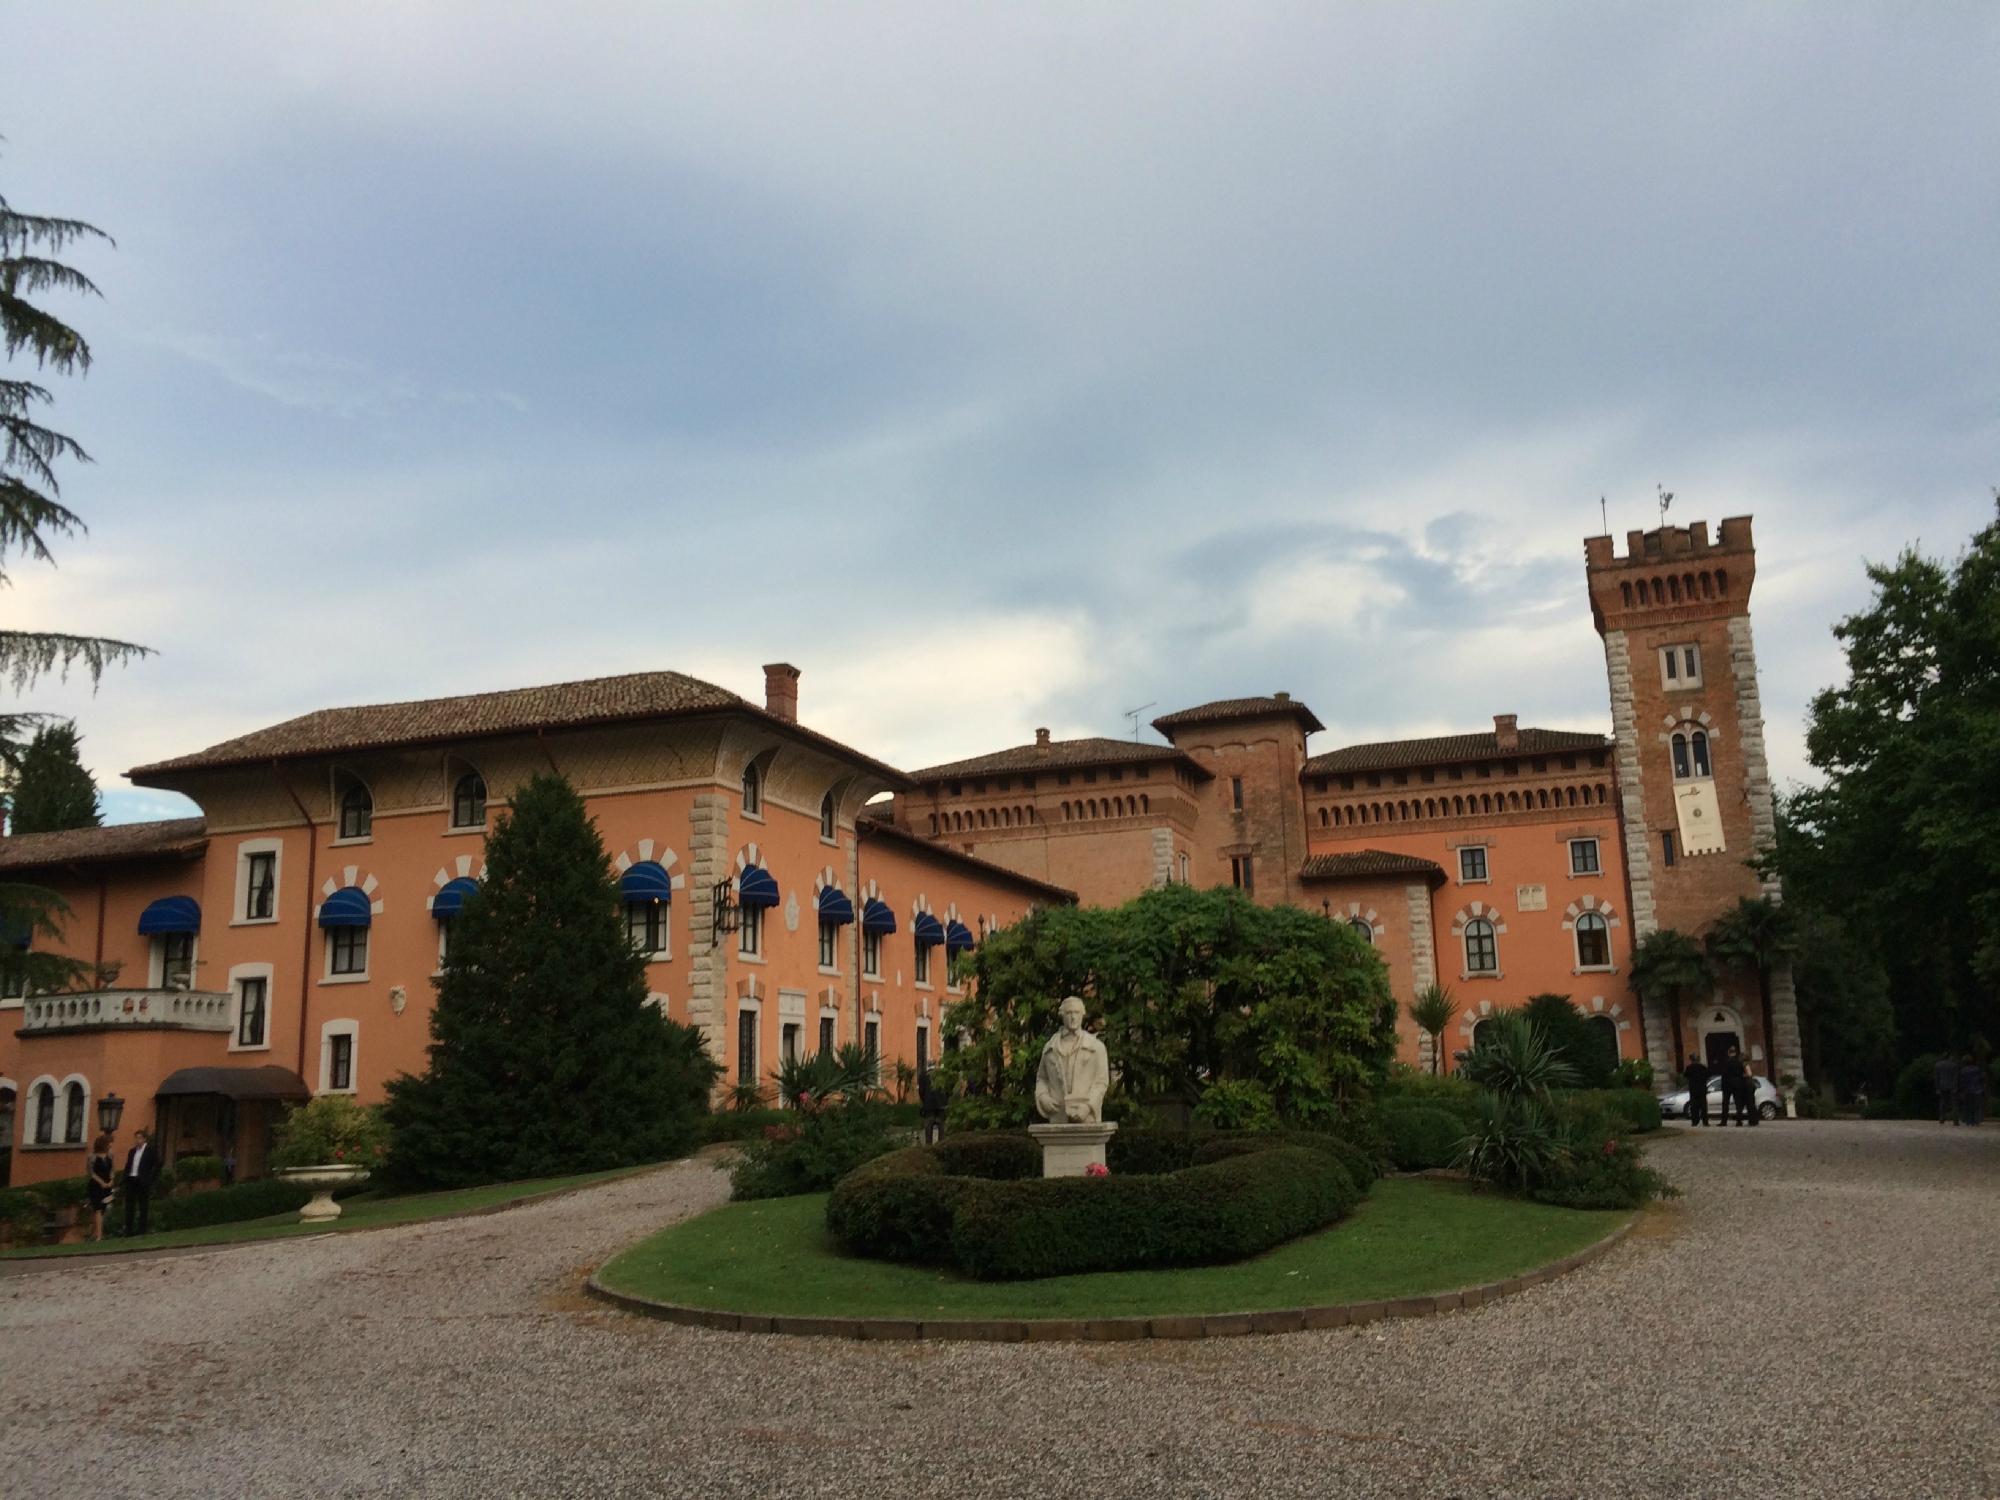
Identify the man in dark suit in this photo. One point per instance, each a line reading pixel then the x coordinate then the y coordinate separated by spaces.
pixel 1697 1075
pixel 142 1168
pixel 1733 1074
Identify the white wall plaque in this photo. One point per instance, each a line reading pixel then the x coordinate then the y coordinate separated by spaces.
pixel 1531 898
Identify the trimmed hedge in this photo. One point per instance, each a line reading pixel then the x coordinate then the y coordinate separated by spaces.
pixel 1421 1136
pixel 230 1205
pixel 1614 1111
pixel 979 1202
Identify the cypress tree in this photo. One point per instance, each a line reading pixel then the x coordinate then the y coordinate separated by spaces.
pixel 51 789
pixel 545 1056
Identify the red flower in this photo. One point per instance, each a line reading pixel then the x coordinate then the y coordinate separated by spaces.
pixel 1610 1146
pixel 339 1153
pixel 1097 1169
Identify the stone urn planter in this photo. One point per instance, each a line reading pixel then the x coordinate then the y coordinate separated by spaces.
pixel 323 1180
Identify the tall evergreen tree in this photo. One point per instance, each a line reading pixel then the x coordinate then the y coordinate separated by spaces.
pixel 1669 968
pixel 545 1055
pixel 51 789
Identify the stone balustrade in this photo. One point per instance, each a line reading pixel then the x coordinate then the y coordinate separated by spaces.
pixel 97 1010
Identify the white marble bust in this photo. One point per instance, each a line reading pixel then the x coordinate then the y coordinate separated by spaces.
pixel 1069 1087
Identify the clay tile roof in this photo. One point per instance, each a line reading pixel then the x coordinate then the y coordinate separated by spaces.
pixel 1056 755
pixel 1368 862
pixel 1387 753
pixel 81 846
pixel 1239 708
pixel 870 827
pixel 562 705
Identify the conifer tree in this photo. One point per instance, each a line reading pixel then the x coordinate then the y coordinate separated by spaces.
pixel 51 789
pixel 545 1055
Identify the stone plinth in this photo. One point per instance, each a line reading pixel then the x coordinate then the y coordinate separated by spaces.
pixel 1068 1149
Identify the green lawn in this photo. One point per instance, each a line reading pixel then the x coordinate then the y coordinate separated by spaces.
pixel 1412 1236
pixel 365 1210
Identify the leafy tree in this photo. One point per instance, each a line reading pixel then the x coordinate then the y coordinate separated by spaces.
pixel 1433 1010
pixel 545 1055
pixel 1582 1044
pixel 50 789
pixel 1846 1022
pixel 1755 936
pixel 1186 988
pixel 1669 968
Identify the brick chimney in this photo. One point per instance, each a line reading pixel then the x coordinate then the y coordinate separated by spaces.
pixel 1505 735
pixel 781 691
pixel 1041 736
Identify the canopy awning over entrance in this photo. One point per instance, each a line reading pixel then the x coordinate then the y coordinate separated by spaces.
pixel 235 1083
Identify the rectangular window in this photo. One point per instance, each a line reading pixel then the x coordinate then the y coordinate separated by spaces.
pixel 340 1061
pixel 826 1034
pixel 176 960
pixel 1236 792
pixel 1667 849
pixel 788 1041
pixel 350 949
pixel 750 931
pixel 923 964
pixel 1472 864
pixel 746 1046
pixel 1243 873
pixel 647 925
pixel 923 1045
pixel 871 1040
pixel 1184 870
pixel 829 945
pixel 871 954
pixel 260 886
pixel 252 1008
pixel 1680 666
pixel 954 969
pixel 1583 857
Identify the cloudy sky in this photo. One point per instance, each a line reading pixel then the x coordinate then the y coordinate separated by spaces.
pixel 998 365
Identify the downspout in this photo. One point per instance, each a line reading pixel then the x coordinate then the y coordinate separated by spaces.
pixel 305 941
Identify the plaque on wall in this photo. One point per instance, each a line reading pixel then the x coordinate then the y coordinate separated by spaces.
pixel 1700 817
pixel 1531 898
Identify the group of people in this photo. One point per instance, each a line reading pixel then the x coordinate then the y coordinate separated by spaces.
pixel 1739 1088
pixel 142 1169
pixel 1961 1090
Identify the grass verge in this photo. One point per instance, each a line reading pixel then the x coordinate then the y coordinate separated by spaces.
pixel 1411 1237
pixel 365 1210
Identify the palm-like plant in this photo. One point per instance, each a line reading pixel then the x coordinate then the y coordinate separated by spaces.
pixel 809 1083
pixel 1667 968
pixel 1755 936
pixel 1516 1061
pixel 1433 1010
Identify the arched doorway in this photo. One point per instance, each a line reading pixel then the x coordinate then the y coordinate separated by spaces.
pixel 1603 1033
pixel 1720 1028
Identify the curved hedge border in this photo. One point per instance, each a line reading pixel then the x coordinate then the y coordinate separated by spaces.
pixel 1037 1330
pixel 978 1202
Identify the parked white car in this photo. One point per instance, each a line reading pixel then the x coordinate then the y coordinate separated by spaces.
pixel 1770 1104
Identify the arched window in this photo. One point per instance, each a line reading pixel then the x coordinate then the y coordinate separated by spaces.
pixel 934 827
pixel 1722 582
pixel 1681 764
pixel 1625 590
pixel 468 801
pixel 1593 942
pixel 357 812
pixel 1482 953
pixel 1479 1032
pixel 43 1102
pixel 1145 802
pixel 1604 1031
pixel 1674 589
pixel 74 1100
pixel 826 816
pixel 1360 925
pixel 1707 592
pixel 753 790
pixel 1699 742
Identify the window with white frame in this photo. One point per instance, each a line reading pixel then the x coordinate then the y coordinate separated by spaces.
pixel 1680 665
pixel 468 801
pixel 1186 879
pixel 826 1034
pixel 923 1044
pixel 923 969
pixel 871 954
pixel 1472 865
pixel 1691 761
pixel 1243 873
pixel 750 931
pixel 173 954
pixel 1583 857
pixel 253 1010
pixel 1593 942
pixel 259 902
pixel 42 1114
pixel 746 1045
pixel 788 1041
pixel 871 1042
pixel 647 925
pixel 1363 929
pixel 346 950
pixel 339 1042
pixel 826 817
pixel 76 1111
pixel 753 791
pixel 357 813
pixel 829 946
pixel 1482 950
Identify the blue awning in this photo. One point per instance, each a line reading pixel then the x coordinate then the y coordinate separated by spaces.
pixel 957 938
pixel 927 930
pixel 756 886
pixel 347 907
pixel 835 910
pixel 877 918
pixel 171 914
pixel 648 880
pixel 447 903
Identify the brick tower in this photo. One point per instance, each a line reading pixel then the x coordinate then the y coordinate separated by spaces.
pixel 1694 785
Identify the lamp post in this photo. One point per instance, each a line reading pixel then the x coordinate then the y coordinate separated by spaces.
pixel 110 1110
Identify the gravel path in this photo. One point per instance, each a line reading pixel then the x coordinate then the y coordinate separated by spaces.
pixel 1816 1318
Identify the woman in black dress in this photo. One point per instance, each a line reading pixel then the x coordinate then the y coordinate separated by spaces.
pixel 101 1183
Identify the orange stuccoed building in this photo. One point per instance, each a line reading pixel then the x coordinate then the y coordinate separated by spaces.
pixel 791 893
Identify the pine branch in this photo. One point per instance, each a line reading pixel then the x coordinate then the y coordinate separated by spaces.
pixel 28 655
pixel 25 326
pixel 25 514
pixel 26 275
pixel 29 445
pixel 18 231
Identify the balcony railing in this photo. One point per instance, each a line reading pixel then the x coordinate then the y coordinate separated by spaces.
pixel 101 1010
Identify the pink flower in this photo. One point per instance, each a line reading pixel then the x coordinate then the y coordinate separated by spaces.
pixel 340 1153
pixel 1610 1147
pixel 1097 1169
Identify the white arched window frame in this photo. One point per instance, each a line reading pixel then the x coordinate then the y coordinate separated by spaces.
pixel 41 1124
pixel 753 791
pixel 468 801
pixel 73 1110
pixel 1482 947
pixel 355 822
pixel 1364 928
pixel 1593 941
pixel 827 814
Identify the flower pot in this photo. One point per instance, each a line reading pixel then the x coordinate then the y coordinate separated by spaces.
pixel 322 1180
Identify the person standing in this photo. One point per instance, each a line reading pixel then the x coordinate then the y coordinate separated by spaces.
pixel 1697 1075
pixel 102 1183
pixel 931 1105
pixel 1971 1091
pixel 1945 1078
pixel 1732 1086
pixel 142 1169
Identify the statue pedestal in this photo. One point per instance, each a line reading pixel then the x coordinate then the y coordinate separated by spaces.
pixel 1068 1149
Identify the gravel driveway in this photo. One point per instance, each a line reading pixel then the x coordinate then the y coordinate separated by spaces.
pixel 1816 1318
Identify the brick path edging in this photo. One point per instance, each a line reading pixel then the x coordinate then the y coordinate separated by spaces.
pixel 1177 1326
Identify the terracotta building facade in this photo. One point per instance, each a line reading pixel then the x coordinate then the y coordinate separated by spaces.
pixel 791 892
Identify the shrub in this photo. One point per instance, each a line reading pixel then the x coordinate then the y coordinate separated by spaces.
pixel 1915 1094
pixel 1813 1103
pixel 740 1124
pixel 1516 1060
pixel 23 1211
pixel 1609 1111
pixel 60 1192
pixel 190 1170
pixel 1421 1135
pixel 1608 1174
pixel 1633 1073
pixel 1237 1104
pixel 331 1130
pixel 1458 1096
pixel 998 1156
pixel 230 1205
pixel 814 1149
pixel 1514 1144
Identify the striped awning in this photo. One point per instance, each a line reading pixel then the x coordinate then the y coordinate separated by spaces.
pixel 957 938
pixel 876 917
pixel 648 880
pixel 756 886
pixel 835 910
pixel 927 930
pixel 450 900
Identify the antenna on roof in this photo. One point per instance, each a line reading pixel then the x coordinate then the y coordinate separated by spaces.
pixel 1604 515
pixel 1666 498
pixel 1133 715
